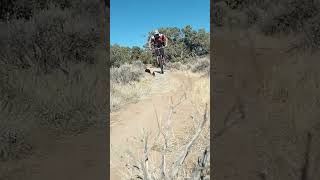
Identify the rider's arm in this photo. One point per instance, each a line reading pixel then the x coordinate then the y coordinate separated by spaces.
pixel 165 41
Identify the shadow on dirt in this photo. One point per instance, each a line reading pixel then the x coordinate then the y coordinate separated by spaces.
pixel 152 73
pixel 157 72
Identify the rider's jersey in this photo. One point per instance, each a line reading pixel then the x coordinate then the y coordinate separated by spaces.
pixel 158 40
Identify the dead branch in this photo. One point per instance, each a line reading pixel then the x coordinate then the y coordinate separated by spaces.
pixel 164 132
pixel 166 136
pixel 178 163
pixel 162 166
pixel 229 121
pixel 163 154
pixel 144 163
pixel 172 109
pixel 134 167
pixel 305 167
pixel 159 127
pixel 202 164
pixel 182 98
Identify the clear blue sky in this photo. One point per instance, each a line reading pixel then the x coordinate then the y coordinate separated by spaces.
pixel 131 20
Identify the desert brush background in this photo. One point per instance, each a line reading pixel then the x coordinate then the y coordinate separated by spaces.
pixel 265 61
pixel 54 82
pixel 53 89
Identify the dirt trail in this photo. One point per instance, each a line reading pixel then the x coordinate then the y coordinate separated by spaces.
pixel 126 124
pixel 84 157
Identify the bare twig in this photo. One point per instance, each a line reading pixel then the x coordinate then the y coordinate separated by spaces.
pixel 193 119
pixel 182 98
pixel 135 167
pixel 144 169
pixel 159 127
pixel 230 122
pixel 145 163
pixel 164 151
pixel 178 163
pixel 162 166
pixel 305 167
pixel 165 136
pixel 202 164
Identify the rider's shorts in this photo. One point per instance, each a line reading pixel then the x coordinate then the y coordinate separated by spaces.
pixel 159 52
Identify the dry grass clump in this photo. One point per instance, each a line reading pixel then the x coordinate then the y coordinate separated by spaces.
pixel 195 65
pixel 272 18
pixel 50 40
pixel 201 65
pixel 175 66
pixel 17 116
pixel 312 33
pixel 66 103
pixel 73 101
pixel 128 83
pixel 121 94
pixel 127 73
pixel 13 144
pixel 50 73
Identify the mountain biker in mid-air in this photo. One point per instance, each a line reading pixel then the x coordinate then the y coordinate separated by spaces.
pixel 158 41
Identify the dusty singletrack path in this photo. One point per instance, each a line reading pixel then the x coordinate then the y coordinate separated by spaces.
pixel 128 122
pixel 81 157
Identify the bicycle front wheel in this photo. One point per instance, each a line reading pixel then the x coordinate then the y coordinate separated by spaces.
pixel 161 66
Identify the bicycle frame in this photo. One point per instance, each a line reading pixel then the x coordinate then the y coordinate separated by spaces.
pixel 159 49
pixel 161 59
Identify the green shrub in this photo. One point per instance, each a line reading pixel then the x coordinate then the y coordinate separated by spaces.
pixel 182 43
pixel 119 55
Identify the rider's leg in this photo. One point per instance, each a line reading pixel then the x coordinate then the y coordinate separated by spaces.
pixel 157 54
pixel 162 56
pixel 158 63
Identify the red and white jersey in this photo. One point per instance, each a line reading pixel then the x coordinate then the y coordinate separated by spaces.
pixel 159 39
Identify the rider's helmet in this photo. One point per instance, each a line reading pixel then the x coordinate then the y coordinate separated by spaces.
pixel 156 32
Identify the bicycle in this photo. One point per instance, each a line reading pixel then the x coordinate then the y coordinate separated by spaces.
pixel 161 62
